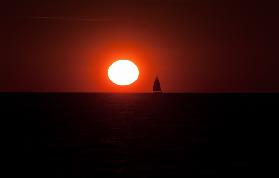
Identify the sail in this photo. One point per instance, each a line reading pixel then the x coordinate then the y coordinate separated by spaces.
pixel 156 85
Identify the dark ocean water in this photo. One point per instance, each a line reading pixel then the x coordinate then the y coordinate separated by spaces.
pixel 136 135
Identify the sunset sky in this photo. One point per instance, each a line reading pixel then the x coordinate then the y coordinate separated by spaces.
pixel 193 46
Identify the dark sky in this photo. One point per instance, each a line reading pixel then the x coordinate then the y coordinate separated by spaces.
pixel 194 46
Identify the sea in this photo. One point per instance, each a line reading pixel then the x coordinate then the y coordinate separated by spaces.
pixel 136 135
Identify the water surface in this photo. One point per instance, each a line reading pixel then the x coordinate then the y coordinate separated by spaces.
pixel 136 135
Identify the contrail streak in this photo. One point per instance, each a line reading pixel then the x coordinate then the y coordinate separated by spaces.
pixel 68 19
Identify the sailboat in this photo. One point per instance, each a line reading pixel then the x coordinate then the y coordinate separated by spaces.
pixel 157 86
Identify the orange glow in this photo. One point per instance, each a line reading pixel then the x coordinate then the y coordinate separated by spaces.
pixel 94 72
pixel 123 72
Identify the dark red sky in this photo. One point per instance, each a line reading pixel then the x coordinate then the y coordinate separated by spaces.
pixel 194 46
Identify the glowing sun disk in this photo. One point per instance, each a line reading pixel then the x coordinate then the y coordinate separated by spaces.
pixel 123 72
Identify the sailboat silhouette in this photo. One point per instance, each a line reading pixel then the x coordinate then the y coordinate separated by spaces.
pixel 157 86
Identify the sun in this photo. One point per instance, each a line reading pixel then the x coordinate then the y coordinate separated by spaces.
pixel 123 72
